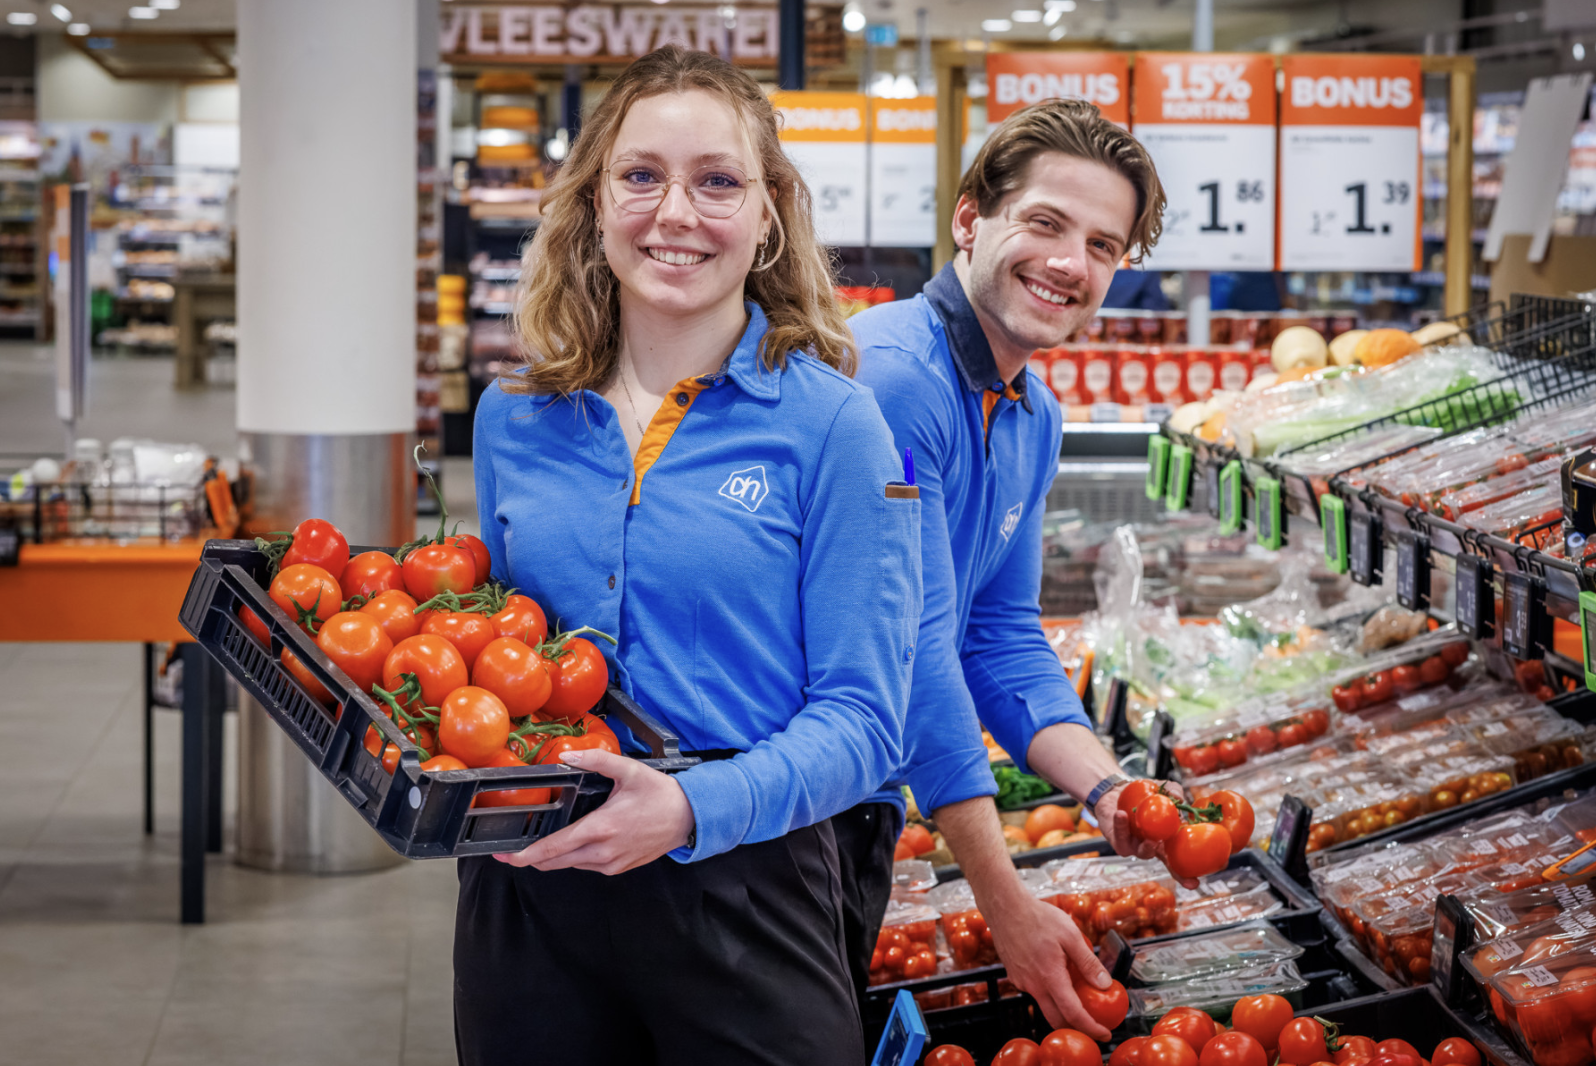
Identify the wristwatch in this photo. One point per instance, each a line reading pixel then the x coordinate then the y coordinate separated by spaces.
pixel 1103 788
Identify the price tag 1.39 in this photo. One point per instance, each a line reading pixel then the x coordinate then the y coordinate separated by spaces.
pixel 1208 121
pixel 1350 192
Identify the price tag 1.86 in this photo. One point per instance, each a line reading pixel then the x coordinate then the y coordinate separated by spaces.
pixel 1208 121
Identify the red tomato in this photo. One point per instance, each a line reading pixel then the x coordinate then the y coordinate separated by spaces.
pixel 255 625
pixel 1107 1006
pixel 1192 1026
pixel 515 673
pixel 1434 670
pixel 307 594
pixel 1455 1048
pixel 1128 1053
pixel 1406 678
pixel 435 662
pixel 1233 1049
pixel 1456 654
pixel 1354 1049
pixel 522 619
pixel 1070 1047
pixel 948 1055
pixel 439 763
pixel 435 568
pixel 1262 1018
pixel 1166 1051
pixel 1236 815
pixel 1580 995
pixel 357 645
pixel 1137 791
pixel 1199 849
pixel 395 611
pixel 1204 760
pixel 549 752
pixel 1316 722
pixel 479 554
pixel 1155 818
pixel 1573 1051
pixel 1018 1052
pixel 1379 687
pixel 313 688
pixel 901 852
pixel 1302 1043
pixel 511 797
pixel 1261 740
pixel 467 631
pixel 473 725
pixel 1232 752
pixel 317 542
pixel 1044 819
pixel 1394 1046
pixel 1348 698
pixel 579 675
pixel 369 573
pixel 1291 735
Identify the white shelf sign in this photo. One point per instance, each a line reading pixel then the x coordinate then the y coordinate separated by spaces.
pixel 824 135
pixel 903 172
pixel 1208 120
pixel 1350 193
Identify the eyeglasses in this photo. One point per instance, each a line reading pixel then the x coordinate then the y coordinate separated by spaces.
pixel 715 191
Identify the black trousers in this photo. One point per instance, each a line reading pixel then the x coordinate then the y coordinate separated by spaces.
pixel 867 835
pixel 735 959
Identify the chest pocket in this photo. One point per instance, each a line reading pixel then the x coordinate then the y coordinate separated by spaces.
pixel 898 563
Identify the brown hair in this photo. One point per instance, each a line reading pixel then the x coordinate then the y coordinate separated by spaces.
pixel 1075 128
pixel 567 307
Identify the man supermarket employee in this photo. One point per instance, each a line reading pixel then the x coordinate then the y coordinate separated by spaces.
pixel 1055 198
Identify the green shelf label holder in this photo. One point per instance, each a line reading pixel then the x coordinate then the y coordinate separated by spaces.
pixel 1179 485
pixel 1157 465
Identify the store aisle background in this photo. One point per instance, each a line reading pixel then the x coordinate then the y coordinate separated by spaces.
pixel 94 966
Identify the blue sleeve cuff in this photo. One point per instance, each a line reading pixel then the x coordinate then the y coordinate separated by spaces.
pixel 723 808
pixel 1015 718
pixel 952 778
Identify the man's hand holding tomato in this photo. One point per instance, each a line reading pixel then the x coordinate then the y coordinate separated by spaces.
pixel 645 817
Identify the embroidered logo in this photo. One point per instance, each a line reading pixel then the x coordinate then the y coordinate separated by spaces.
pixel 747 486
pixel 1011 520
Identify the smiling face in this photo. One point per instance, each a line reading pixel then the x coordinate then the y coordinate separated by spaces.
pixel 1039 267
pixel 671 259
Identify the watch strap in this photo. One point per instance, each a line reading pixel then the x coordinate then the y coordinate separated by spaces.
pixel 1103 787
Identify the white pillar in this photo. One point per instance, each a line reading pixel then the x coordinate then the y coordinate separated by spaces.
pixel 326 216
pixel 326 341
pixel 1198 303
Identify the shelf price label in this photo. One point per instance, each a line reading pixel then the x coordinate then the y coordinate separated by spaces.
pixel 1270 512
pixel 1157 465
pixel 1587 631
pixel 1350 193
pixel 1211 488
pixel 1180 458
pixel 1366 556
pixel 1020 79
pixel 1208 120
pixel 1230 499
pixel 903 172
pixel 824 135
pixel 1526 627
pixel 1476 597
pixel 1333 519
pixel 1413 570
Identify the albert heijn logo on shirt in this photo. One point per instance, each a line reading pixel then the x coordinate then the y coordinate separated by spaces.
pixel 747 486
pixel 1011 520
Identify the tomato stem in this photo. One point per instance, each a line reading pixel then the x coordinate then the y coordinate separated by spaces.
pixel 556 647
pixel 274 550
pixel 1208 813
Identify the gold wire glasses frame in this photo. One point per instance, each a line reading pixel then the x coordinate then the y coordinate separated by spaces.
pixel 715 191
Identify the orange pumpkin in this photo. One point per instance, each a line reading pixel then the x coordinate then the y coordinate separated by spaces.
pixel 1382 347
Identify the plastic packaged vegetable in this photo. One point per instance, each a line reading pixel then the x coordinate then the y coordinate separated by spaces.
pixel 1216 995
pixel 1245 947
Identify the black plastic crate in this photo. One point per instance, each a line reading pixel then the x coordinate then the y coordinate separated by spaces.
pixel 420 815
pixel 1418 1016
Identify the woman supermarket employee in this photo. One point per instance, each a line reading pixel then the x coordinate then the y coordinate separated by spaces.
pixel 685 463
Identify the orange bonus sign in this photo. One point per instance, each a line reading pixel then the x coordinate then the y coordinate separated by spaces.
pixel 1350 192
pixel 1204 87
pixel 1019 79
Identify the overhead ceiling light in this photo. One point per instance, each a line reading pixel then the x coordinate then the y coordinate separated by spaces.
pixel 1028 16
pixel 165 5
pixel 1579 51
pixel 79 29
pixel 853 21
pixel 1064 6
pixel 1057 33
pixel 142 13
pixel 60 12
pixel 22 18
pixel 996 25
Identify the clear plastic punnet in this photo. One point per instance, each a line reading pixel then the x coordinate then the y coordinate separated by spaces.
pixel 1260 902
pixel 1135 897
pixel 969 940
pixel 1546 1003
pixel 1498 913
pixel 1244 947
pixel 906 947
pixel 1216 995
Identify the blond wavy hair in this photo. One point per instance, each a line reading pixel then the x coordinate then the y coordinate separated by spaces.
pixel 567 307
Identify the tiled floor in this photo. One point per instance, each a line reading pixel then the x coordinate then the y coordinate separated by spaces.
pixel 94 967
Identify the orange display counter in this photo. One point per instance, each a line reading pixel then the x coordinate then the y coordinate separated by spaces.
pixel 93 591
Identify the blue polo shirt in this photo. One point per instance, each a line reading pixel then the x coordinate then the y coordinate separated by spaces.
pixel 764 589
pixel 985 454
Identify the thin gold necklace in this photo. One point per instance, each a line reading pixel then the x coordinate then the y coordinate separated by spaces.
pixel 641 432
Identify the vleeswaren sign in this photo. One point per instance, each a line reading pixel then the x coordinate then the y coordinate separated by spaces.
pixel 600 33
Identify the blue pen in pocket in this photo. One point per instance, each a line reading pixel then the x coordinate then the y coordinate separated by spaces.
pixel 908 466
